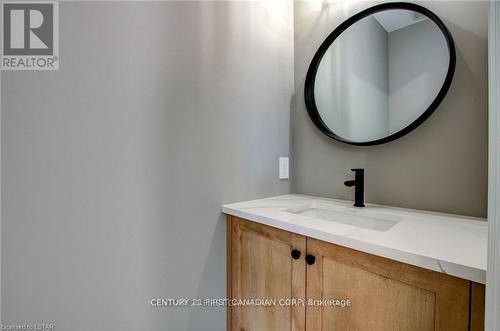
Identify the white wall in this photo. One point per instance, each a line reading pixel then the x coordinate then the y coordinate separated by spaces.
pixel 115 167
pixel 418 63
pixel 344 71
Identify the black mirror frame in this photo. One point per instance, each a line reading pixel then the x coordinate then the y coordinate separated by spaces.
pixel 313 68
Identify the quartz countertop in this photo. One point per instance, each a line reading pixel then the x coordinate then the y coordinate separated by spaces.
pixel 451 244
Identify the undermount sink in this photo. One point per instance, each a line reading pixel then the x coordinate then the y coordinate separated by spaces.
pixel 363 218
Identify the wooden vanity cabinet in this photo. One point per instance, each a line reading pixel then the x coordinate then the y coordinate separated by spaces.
pixel 260 266
pixel 384 294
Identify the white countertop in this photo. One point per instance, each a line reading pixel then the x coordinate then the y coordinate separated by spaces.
pixel 451 244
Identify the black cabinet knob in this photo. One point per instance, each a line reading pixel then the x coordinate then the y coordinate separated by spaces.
pixel 310 259
pixel 295 254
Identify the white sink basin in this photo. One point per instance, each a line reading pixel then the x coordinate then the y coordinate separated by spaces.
pixel 360 217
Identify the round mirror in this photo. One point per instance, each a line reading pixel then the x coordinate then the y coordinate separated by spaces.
pixel 380 74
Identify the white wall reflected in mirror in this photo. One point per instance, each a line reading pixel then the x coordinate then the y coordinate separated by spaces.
pixel 381 74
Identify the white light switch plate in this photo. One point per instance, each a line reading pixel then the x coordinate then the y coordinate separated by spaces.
pixel 284 168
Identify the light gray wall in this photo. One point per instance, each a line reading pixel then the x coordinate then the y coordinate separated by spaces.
pixel 418 63
pixel 344 71
pixel 440 166
pixel 115 167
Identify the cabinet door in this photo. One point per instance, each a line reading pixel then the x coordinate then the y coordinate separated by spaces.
pixel 261 267
pixel 385 294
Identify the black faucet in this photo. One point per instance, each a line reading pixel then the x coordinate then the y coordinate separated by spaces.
pixel 359 185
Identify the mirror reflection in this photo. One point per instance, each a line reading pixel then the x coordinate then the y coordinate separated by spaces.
pixel 381 74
